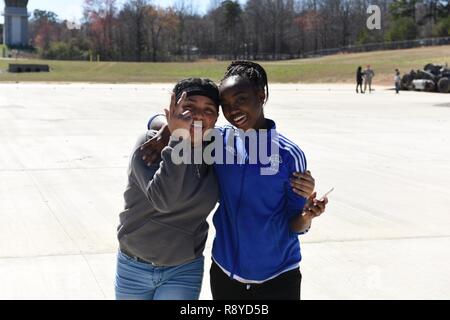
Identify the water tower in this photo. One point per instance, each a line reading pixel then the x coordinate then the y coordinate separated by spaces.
pixel 15 28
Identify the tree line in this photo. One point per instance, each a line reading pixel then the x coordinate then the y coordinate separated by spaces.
pixel 259 29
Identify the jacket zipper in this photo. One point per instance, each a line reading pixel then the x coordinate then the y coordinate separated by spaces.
pixel 236 225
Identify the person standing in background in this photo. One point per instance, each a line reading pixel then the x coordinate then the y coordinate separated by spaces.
pixel 359 79
pixel 368 76
pixel 397 81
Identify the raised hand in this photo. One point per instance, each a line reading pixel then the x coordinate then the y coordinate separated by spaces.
pixel 179 122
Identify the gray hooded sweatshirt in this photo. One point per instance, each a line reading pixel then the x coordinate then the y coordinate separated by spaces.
pixel 166 206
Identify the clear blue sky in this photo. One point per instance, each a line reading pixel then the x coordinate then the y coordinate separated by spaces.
pixel 72 9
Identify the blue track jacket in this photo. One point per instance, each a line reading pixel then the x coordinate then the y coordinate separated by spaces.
pixel 253 240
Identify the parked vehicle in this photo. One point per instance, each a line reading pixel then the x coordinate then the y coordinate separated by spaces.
pixel 433 78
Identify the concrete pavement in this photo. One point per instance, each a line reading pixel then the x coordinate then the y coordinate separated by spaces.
pixel 385 235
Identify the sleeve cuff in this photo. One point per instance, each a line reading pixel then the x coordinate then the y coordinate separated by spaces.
pixel 173 142
pixel 301 233
pixel 149 124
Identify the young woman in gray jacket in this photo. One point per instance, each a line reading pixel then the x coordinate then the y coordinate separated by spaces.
pixel 163 228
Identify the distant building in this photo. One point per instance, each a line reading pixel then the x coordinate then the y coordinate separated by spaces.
pixel 15 29
pixel 1 34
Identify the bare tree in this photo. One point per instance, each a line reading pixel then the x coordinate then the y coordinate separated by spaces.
pixel 133 17
pixel 158 21
pixel 259 29
pixel 100 15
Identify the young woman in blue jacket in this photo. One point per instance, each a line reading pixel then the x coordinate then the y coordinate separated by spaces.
pixel 256 251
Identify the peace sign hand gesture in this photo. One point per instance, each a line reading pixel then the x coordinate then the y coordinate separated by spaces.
pixel 179 122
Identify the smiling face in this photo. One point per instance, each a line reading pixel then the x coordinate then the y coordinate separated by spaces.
pixel 242 103
pixel 203 110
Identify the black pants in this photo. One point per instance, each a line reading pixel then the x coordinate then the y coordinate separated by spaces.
pixel 284 287
pixel 359 84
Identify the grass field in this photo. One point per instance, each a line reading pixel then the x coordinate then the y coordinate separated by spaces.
pixel 331 69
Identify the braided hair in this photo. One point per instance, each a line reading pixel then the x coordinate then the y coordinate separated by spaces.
pixel 251 71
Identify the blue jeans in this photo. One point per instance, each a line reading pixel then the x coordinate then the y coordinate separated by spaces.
pixel 141 281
